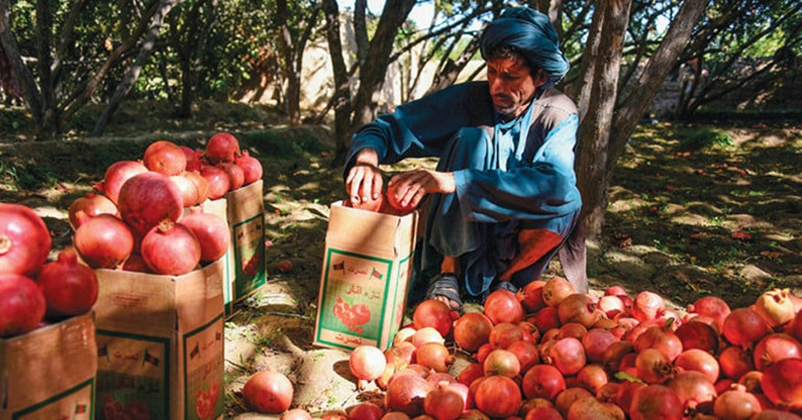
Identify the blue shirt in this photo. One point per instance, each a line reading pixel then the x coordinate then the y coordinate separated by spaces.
pixel 533 182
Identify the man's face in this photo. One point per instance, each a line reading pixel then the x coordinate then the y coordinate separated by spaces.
pixel 512 86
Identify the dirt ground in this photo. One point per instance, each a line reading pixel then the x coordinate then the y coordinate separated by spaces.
pixel 693 210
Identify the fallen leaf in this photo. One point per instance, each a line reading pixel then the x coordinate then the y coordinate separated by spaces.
pixel 770 254
pixel 624 240
pixel 699 235
pixel 741 236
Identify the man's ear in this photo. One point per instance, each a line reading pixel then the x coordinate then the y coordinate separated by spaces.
pixel 541 77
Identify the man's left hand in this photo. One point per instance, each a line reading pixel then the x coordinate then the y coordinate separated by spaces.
pixel 412 186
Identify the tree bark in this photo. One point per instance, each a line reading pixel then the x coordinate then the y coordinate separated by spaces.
pixel 292 88
pixel 642 93
pixel 720 82
pixel 598 92
pixel 342 92
pixel 373 71
pixel 48 125
pixel 553 8
pixel 604 130
pixel 451 69
pixel 72 104
pixel 27 83
pixel 189 40
pixel 361 31
pixel 133 72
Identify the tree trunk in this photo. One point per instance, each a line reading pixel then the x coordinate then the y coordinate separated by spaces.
pixel 642 93
pixel 22 75
pixel 190 44
pixel 292 88
pixel 603 135
pixel 342 91
pixel 373 71
pixel 361 31
pixel 451 68
pixel 72 104
pixel 48 125
pixel 66 41
pixel 719 83
pixel 553 8
pixel 133 73
pixel 607 40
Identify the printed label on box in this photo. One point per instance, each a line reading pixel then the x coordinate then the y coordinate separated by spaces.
pixel 73 404
pixel 203 364
pixel 249 251
pixel 355 312
pixel 132 372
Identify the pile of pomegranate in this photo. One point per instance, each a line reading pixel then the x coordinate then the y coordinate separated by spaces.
pixel 145 214
pixel 548 352
pixel 33 291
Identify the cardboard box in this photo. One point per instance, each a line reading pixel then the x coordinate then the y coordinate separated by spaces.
pixel 245 265
pixel 160 344
pixel 49 373
pixel 367 264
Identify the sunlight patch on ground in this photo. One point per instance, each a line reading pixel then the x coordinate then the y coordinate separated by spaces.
pixel 691 219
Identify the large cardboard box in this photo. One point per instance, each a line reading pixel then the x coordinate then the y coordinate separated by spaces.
pixel 246 271
pixel 160 344
pixel 245 265
pixel 49 373
pixel 367 264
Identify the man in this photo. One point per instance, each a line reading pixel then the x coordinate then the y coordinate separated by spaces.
pixel 503 196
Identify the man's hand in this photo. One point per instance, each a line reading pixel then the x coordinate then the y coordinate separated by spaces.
pixel 364 181
pixel 412 186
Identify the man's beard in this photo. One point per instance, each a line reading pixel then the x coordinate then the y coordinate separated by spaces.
pixel 506 108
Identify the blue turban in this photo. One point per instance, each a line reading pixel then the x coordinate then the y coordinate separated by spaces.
pixel 531 33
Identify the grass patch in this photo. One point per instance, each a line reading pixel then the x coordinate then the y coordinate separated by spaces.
pixel 704 138
pixel 271 144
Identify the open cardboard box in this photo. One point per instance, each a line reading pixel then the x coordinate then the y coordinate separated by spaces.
pixel 160 344
pixel 367 265
pixel 245 265
pixel 49 373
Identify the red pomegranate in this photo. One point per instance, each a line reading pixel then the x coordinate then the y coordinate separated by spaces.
pixel 104 241
pixel 148 198
pixel 91 204
pixel 250 166
pixel 24 240
pixel 212 232
pixel 70 288
pixel 22 304
pixel 171 249
pixel 165 157
pixel 116 175
pixel 222 147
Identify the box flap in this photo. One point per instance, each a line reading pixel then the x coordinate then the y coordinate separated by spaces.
pixel 147 303
pixel 370 232
pixel 135 302
pixel 47 361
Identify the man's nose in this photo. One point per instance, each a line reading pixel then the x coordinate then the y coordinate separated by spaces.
pixel 496 86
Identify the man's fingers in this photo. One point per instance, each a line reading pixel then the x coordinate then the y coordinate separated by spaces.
pixel 377 185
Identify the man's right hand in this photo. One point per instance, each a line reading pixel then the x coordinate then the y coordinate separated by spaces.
pixel 365 180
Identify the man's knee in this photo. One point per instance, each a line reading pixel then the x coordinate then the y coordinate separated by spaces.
pixel 538 242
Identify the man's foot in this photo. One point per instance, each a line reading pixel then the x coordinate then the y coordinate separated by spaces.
pixel 445 288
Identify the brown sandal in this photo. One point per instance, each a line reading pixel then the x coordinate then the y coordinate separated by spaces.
pixel 447 286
